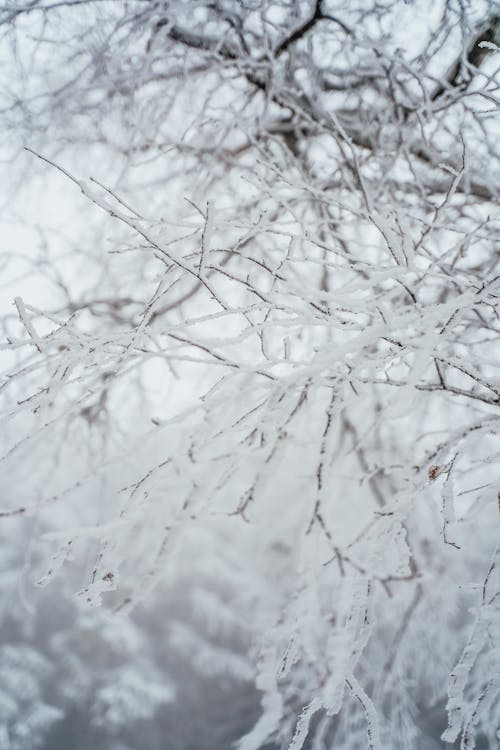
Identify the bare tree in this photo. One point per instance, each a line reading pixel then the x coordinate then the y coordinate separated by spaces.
pixel 288 359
